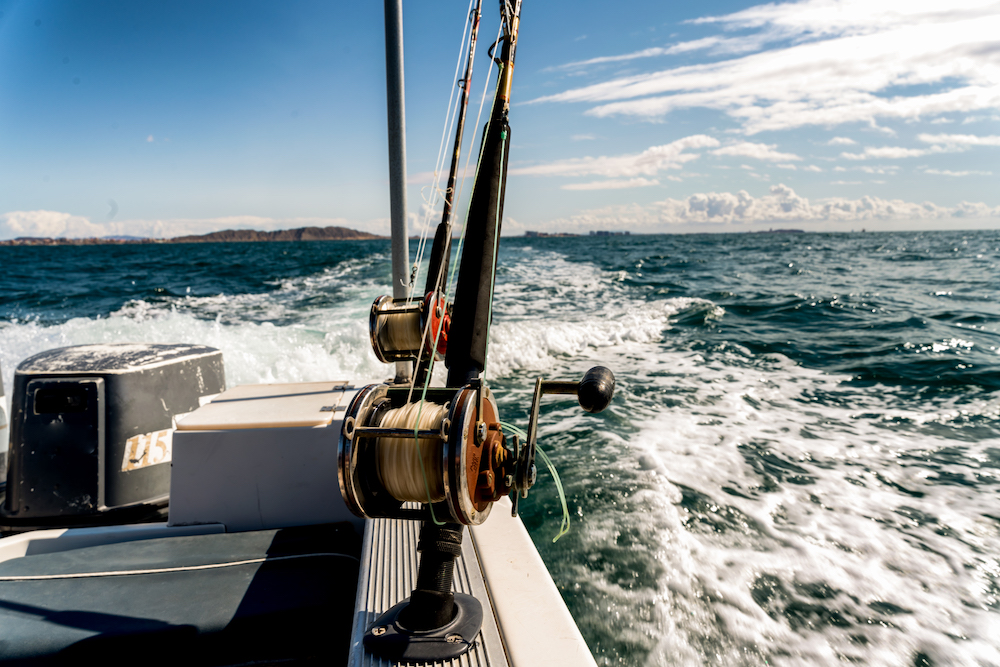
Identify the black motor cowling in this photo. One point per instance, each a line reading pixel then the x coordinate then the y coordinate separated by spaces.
pixel 92 428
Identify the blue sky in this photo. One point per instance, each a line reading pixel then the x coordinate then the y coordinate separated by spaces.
pixel 186 117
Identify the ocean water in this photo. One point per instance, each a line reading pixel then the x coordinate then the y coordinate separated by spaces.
pixel 801 464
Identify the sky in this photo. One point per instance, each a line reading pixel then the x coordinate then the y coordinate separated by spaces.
pixel 164 119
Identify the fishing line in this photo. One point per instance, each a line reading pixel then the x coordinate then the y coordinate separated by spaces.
pixel 446 287
pixel 399 331
pixel 167 570
pixel 450 116
pixel 564 526
pixel 403 463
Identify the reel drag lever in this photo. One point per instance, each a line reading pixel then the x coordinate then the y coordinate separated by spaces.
pixel 594 392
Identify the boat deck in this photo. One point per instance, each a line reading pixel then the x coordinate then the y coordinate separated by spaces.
pixel 388 573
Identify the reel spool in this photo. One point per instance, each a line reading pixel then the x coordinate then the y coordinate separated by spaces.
pixel 396 327
pixel 458 463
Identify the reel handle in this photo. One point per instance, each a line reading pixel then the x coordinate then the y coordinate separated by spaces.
pixel 594 392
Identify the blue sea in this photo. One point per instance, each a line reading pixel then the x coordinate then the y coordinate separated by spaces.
pixel 801 464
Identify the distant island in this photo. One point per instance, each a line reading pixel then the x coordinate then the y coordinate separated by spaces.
pixel 299 234
pixel 225 236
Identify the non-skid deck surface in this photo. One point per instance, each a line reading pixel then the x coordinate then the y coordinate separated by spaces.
pixel 388 573
pixel 227 598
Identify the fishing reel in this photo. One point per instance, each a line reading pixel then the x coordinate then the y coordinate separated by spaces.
pixel 397 326
pixel 447 452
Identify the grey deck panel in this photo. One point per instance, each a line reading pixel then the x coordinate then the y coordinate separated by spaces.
pixel 388 572
pixel 214 599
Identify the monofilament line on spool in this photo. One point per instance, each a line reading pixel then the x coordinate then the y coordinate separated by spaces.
pixel 408 468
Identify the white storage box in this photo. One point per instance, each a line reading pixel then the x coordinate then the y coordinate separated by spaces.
pixel 260 457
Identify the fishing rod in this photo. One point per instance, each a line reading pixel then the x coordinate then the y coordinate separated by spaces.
pixel 437 270
pixel 468 337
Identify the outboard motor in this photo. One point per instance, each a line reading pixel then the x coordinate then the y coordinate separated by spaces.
pixel 92 428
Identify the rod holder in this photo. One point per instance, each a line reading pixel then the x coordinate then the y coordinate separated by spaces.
pixel 434 623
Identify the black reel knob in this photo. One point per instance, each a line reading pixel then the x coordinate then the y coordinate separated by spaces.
pixel 596 389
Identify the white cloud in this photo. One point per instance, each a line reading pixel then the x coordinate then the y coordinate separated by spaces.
pixel 613 184
pixel 50 224
pixel 781 204
pixel 714 45
pixel 841 141
pixel 812 167
pixel 757 151
pixel 979 119
pixel 948 172
pixel 53 224
pixel 849 62
pixel 939 143
pixel 959 141
pixel 150 139
pixel 888 169
pixel 646 163
pixel 887 152
pixel 583 137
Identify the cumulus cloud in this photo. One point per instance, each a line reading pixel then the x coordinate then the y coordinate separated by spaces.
pixel 781 204
pixel 841 141
pixel 812 167
pixel 829 63
pixel 758 151
pixel 50 224
pixel 646 163
pixel 53 224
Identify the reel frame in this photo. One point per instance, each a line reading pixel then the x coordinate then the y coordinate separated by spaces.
pixel 431 310
pixel 473 468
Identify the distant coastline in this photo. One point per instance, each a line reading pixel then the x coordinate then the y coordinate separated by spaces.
pixel 225 236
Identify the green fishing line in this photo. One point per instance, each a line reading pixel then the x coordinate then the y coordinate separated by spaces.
pixel 564 526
